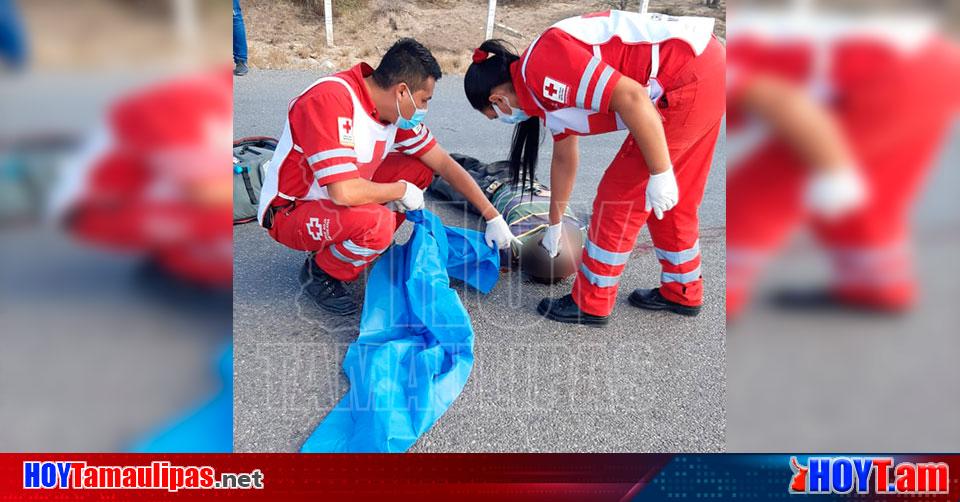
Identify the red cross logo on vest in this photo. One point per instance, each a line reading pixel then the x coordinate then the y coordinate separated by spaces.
pixel 345 128
pixel 554 90
pixel 318 231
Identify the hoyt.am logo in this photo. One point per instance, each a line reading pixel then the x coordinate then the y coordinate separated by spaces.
pixel 878 475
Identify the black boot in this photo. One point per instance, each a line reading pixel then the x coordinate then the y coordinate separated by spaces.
pixel 651 299
pixel 564 309
pixel 824 300
pixel 326 291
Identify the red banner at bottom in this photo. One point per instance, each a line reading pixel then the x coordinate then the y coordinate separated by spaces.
pixel 305 477
pixel 501 477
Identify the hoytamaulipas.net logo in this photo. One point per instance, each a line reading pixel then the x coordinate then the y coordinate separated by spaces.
pixel 159 475
pixel 877 475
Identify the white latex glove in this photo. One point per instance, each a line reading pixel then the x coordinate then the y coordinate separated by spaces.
pixel 832 193
pixel 412 198
pixel 498 233
pixel 662 193
pixel 551 239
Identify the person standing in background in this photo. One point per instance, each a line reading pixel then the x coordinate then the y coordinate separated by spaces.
pixel 239 41
pixel 13 49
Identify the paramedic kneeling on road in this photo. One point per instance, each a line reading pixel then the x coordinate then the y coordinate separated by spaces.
pixel 353 141
pixel 660 77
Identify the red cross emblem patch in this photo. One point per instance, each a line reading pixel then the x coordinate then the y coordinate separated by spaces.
pixel 317 230
pixel 345 128
pixel 554 90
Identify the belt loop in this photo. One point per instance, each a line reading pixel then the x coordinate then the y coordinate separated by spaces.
pixel 654 60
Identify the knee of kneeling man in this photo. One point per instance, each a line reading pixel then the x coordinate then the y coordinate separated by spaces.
pixel 378 224
pixel 380 237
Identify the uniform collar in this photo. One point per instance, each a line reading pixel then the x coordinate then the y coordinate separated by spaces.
pixel 358 73
pixel 522 91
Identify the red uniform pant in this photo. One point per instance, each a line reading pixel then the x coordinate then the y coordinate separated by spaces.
pixel 869 249
pixel 692 108
pixel 191 242
pixel 348 239
pixel 894 140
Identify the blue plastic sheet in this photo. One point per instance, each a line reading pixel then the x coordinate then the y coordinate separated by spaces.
pixel 415 349
pixel 206 429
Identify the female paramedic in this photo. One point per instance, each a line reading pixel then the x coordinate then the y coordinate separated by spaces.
pixel 659 76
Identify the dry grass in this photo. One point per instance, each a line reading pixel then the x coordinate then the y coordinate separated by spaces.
pixel 364 29
pixel 315 7
pixel 111 34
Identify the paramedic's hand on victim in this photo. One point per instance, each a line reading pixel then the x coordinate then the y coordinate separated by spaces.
pixel 551 239
pixel 498 233
pixel 412 199
pixel 832 193
pixel 662 193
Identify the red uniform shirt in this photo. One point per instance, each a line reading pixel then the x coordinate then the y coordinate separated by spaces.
pixel 562 72
pixel 568 74
pixel 334 133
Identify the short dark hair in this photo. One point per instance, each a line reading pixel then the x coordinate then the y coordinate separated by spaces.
pixel 406 61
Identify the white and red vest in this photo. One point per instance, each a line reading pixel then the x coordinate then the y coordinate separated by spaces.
pixel 330 135
pixel 569 72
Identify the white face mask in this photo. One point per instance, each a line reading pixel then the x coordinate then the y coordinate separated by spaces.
pixel 515 116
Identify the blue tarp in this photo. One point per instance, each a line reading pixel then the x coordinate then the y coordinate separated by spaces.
pixel 206 429
pixel 415 349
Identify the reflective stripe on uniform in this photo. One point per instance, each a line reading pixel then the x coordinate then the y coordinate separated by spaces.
pixel 421 145
pixel 654 60
pixel 340 256
pixel 585 81
pixel 331 154
pixel 337 169
pixel 412 141
pixel 872 255
pixel 603 281
pixel 678 257
pixel 602 255
pixel 681 278
pixel 360 250
pixel 599 89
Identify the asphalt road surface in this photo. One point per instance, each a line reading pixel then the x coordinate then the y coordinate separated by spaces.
pixel 97 352
pixel 647 382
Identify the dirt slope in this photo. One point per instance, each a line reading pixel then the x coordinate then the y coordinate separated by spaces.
pixel 289 34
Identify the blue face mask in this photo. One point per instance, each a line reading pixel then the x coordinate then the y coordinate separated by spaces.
pixel 516 115
pixel 414 121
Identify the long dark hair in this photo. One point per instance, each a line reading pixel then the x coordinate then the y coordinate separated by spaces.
pixel 480 79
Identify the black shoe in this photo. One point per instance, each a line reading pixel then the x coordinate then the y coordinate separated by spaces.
pixel 804 300
pixel 817 300
pixel 326 291
pixel 564 309
pixel 240 69
pixel 651 299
